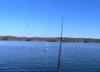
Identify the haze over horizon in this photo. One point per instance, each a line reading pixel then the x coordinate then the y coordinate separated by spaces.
pixel 42 18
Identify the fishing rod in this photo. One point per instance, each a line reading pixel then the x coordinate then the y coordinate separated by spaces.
pixel 60 48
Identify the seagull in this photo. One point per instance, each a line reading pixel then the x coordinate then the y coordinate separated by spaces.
pixel 27 25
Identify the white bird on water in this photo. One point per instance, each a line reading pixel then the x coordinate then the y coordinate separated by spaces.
pixel 47 48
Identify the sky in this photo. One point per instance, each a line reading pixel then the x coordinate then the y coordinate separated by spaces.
pixel 42 18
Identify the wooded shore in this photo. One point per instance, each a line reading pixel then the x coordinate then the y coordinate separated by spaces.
pixel 49 39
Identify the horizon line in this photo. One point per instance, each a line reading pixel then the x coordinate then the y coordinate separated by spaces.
pixel 48 36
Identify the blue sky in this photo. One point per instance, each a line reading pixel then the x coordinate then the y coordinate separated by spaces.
pixel 42 18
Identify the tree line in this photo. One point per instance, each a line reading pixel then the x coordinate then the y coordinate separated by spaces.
pixel 49 39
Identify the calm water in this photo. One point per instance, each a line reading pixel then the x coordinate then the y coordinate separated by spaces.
pixel 42 57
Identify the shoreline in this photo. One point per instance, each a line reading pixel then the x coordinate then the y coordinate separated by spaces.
pixel 49 39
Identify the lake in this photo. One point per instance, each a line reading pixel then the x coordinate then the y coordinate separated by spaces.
pixel 21 56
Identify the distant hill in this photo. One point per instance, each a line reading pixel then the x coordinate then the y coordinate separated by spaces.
pixel 50 39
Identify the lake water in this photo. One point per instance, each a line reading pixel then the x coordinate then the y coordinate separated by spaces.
pixel 23 56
